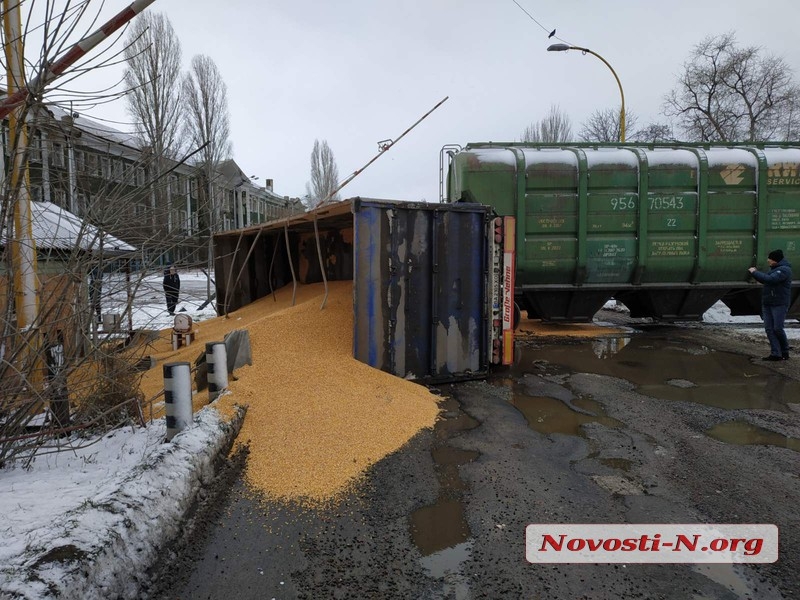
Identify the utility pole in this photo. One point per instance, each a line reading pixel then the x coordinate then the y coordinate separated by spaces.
pixel 13 106
pixel 23 248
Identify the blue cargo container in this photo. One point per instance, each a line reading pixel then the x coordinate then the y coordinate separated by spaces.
pixel 421 294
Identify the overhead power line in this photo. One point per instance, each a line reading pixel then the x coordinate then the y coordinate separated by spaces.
pixel 550 32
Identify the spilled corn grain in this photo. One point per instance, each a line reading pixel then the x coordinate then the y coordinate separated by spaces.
pixel 214 330
pixel 317 418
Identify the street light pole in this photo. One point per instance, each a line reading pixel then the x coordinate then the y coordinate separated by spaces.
pixel 565 47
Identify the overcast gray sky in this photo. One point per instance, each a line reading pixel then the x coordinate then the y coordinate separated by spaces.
pixel 354 72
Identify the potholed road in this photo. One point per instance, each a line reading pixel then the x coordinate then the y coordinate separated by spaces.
pixel 665 425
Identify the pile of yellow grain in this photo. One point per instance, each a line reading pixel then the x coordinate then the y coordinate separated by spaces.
pixel 535 327
pixel 214 330
pixel 317 418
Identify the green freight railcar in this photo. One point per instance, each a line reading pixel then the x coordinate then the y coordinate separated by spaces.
pixel 667 230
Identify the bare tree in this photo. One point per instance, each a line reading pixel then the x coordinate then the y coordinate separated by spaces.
pixel 208 127
pixel 153 75
pixel 793 120
pixel 324 175
pixel 731 93
pixel 207 115
pixel 603 125
pixel 556 127
pixel 654 133
pixel 75 185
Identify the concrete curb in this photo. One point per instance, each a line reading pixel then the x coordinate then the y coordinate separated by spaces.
pixel 131 526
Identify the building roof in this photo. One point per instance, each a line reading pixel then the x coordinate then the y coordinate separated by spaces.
pixel 97 134
pixel 57 229
pixel 233 176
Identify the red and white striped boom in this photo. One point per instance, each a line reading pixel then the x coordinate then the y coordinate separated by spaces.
pixel 55 69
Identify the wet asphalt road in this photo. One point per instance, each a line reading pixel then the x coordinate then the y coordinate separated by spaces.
pixel 610 430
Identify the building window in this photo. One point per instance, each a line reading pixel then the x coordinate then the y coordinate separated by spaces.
pixel 105 167
pixel 140 176
pixel 57 157
pixel 117 166
pixel 35 150
pixel 80 161
pixel 83 203
pixel 91 163
pixel 60 197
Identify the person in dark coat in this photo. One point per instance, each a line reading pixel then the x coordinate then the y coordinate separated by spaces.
pixel 172 288
pixel 775 299
pixel 96 291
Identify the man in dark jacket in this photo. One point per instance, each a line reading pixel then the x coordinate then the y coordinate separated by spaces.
pixel 172 288
pixel 775 299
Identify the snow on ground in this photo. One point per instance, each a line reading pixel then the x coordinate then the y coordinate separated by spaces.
pixel 150 307
pixel 750 326
pixel 86 523
pixel 719 313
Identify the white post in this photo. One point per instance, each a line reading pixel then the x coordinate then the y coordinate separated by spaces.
pixel 177 397
pixel 217 362
pixel 72 175
pixel 47 195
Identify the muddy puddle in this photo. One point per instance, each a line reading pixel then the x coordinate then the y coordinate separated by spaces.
pixel 621 464
pixel 439 526
pixel 668 368
pixel 548 415
pixel 747 434
pixel 440 531
pixel 446 565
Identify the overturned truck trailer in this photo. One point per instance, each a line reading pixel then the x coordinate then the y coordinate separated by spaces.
pixel 432 283
pixel 667 230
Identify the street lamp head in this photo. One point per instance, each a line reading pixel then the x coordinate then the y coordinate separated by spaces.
pixel 564 47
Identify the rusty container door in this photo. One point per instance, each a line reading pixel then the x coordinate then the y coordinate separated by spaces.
pixel 420 294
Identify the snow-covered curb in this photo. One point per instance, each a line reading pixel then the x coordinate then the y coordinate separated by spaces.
pixel 127 523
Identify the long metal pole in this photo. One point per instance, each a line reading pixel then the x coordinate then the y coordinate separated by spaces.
pixel 23 247
pixel 563 47
pixel 383 149
pixel 621 93
pixel 355 174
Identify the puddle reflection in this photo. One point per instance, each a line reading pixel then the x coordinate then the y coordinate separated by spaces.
pixel 608 347
pixel 670 369
pixel 747 434
pixel 439 526
pixel 443 525
pixel 547 415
